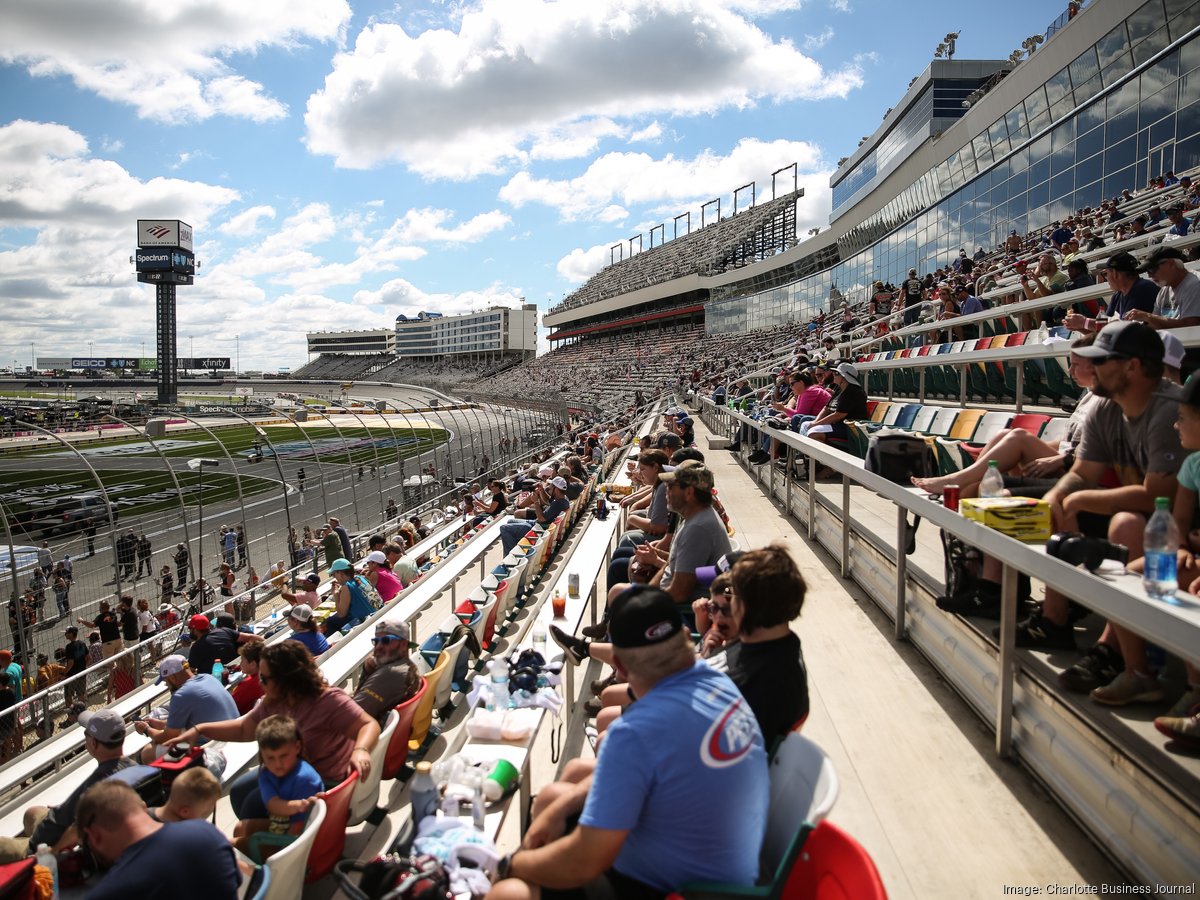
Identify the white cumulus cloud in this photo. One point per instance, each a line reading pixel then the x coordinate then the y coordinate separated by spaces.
pixel 638 178
pixel 522 79
pixel 817 41
pixel 401 297
pixel 246 223
pixel 171 61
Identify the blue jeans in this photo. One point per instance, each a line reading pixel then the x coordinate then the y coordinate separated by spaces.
pixel 512 532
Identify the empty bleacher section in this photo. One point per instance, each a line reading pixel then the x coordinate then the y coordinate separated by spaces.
pixel 340 366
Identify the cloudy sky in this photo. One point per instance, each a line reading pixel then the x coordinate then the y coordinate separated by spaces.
pixel 344 161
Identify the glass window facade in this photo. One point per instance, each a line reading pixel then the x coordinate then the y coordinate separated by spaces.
pixel 476 333
pixel 1109 133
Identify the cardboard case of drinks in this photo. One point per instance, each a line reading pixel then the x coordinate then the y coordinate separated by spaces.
pixel 1022 518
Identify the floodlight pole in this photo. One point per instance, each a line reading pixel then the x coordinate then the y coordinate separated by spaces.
pixel 236 477
pixel 112 522
pixel 170 471
pixel 374 452
pixel 342 438
pixel 23 622
pixel 201 464
pixel 297 420
pixel 261 432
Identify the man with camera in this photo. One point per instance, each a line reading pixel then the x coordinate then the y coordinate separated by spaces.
pixel 1131 431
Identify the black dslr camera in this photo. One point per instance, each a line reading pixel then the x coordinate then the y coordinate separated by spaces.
pixel 1077 549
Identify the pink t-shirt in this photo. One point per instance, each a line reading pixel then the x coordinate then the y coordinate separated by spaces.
pixel 387 584
pixel 812 401
pixel 328 727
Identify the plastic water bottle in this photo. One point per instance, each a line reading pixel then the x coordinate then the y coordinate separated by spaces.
pixel 1162 545
pixel 47 860
pixel 993 482
pixel 424 792
pixel 218 671
pixel 498 672
pixel 539 638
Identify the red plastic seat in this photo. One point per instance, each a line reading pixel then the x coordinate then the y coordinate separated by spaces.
pixel 1016 340
pixel 397 751
pixel 331 837
pixel 1031 422
pixel 833 866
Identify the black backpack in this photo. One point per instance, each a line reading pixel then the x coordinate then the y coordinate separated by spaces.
pixel 900 457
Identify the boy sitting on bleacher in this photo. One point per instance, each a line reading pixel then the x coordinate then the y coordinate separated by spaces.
pixel 288 784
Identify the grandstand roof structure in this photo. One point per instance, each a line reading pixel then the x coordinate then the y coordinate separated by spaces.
pixel 730 243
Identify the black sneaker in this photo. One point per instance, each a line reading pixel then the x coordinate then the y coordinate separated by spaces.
pixel 758 457
pixel 983 600
pixel 1039 632
pixel 597 632
pixel 600 684
pixel 576 649
pixel 1096 668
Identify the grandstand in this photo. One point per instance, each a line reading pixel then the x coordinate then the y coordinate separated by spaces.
pixel 919 709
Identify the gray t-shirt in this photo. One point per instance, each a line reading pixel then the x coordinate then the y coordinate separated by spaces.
pixel 700 541
pixel 1134 447
pixel 1083 409
pixel 658 512
pixel 1181 301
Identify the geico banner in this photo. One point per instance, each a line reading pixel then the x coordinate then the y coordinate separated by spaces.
pixel 105 362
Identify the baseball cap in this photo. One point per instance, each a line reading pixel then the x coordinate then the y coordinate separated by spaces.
pixel 643 616
pixel 171 665
pixel 312 578
pixel 71 629
pixel 559 482
pixel 164 607
pixel 705 575
pixel 301 612
pixel 341 565
pixel 1131 340
pixel 1122 262
pixel 5 657
pixel 848 372
pixel 690 473
pixel 104 725
pixel 377 557
pixel 199 622
pixel 394 628
pixel 1191 391
pixel 1160 255
pixel 545 471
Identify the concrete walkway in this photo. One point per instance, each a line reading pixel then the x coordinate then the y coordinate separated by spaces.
pixel 921 786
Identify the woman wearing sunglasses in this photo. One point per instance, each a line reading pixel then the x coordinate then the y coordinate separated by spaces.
pixel 338 735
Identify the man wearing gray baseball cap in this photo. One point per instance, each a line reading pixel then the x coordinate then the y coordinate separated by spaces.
pixel 104 739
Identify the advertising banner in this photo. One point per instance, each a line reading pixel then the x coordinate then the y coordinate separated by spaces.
pixel 203 362
pixel 164 233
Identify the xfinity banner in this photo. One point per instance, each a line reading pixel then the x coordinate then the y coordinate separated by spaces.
pixel 202 362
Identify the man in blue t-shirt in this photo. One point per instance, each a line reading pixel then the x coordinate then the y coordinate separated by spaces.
pixel 149 858
pixel 194 699
pixel 680 789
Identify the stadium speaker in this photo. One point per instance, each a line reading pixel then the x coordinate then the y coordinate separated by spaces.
pixel 156 428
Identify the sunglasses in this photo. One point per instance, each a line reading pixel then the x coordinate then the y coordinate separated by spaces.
pixel 718 609
pixel 385 639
